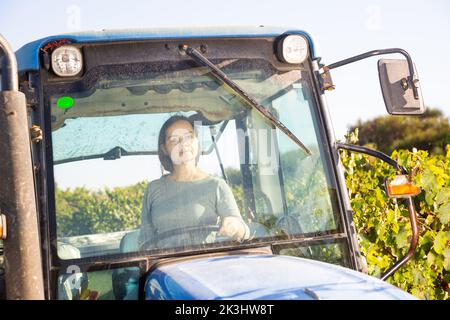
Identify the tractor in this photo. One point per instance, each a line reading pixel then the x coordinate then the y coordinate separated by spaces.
pixel 80 115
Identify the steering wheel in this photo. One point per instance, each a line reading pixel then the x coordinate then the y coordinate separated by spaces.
pixel 186 230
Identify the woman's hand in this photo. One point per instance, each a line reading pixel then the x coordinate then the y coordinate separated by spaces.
pixel 232 227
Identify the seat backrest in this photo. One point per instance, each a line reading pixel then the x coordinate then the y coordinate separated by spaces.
pixel 125 280
pixel 129 242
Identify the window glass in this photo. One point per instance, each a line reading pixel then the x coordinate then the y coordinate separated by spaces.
pixel 112 284
pixel 113 194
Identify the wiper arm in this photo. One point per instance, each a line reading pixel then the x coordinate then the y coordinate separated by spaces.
pixel 221 76
pixel 113 154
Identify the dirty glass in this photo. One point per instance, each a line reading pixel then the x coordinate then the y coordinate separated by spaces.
pixel 105 153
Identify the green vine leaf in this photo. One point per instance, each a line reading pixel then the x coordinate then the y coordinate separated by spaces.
pixel 444 213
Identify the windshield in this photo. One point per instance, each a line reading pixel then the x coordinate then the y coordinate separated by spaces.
pixel 114 195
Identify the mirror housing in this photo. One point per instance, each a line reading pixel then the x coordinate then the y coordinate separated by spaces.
pixel 397 88
pixel 401 187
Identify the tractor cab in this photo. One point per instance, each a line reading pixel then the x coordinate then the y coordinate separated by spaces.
pixel 96 105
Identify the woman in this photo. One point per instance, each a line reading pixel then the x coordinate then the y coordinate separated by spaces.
pixel 177 205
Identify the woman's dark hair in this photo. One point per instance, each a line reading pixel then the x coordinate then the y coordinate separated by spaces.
pixel 164 158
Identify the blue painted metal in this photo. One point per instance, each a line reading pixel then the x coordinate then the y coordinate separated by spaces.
pixel 270 277
pixel 28 55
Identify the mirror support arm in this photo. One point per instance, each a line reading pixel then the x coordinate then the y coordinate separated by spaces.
pixel 412 76
pixel 413 245
pixel 411 210
pixel 373 153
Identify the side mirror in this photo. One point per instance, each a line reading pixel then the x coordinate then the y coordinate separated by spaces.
pixel 397 86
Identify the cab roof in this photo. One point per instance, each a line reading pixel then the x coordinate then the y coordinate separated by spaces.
pixel 28 55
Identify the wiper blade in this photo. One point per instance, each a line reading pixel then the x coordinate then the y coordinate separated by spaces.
pixel 113 154
pixel 221 76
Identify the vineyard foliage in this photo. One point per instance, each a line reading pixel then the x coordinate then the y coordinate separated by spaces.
pixel 382 224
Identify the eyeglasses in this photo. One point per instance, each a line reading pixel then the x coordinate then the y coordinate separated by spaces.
pixel 188 137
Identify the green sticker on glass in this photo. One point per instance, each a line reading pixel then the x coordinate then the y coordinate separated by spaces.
pixel 65 103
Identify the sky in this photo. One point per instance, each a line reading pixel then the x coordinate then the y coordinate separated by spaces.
pixel 340 29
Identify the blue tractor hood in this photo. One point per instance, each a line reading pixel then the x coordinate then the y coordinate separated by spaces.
pixel 270 277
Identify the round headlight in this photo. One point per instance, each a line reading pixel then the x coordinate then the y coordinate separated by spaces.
pixel 293 49
pixel 67 61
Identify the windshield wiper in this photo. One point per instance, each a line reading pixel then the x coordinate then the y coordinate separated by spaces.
pixel 221 76
pixel 113 154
